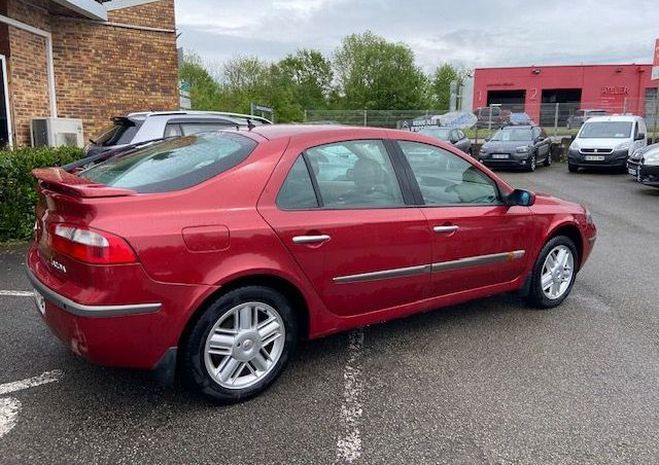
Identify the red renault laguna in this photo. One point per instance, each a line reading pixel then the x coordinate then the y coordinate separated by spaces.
pixel 213 254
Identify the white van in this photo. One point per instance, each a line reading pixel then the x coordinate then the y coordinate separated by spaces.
pixel 607 141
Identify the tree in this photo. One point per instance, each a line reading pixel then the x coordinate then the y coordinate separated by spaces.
pixel 310 75
pixel 204 90
pixel 375 74
pixel 440 85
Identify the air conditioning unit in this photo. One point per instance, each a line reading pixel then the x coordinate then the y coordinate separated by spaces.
pixel 54 132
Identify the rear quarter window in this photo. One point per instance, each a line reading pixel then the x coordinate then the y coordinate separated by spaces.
pixel 174 164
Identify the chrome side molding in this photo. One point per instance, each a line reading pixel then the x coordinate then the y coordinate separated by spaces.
pixel 477 260
pixel 431 268
pixel 384 274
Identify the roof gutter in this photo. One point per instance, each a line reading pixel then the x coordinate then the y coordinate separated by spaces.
pixel 52 99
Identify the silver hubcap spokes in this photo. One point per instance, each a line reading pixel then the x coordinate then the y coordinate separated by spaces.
pixel 557 272
pixel 244 345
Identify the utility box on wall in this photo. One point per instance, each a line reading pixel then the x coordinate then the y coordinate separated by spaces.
pixel 55 132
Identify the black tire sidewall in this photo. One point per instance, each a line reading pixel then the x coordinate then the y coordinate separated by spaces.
pixel 194 371
pixel 537 297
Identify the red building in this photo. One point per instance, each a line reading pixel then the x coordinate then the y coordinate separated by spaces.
pixel 536 89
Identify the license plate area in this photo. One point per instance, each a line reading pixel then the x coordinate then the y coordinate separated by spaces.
pixel 500 156
pixel 594 157
pixel 40 302
pixel 631 171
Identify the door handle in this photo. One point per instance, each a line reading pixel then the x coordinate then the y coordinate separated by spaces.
pixel 312 239
pixel 445 229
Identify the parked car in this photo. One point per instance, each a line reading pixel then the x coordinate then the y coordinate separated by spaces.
pixel 579 117
pixel 491 117
pixel 517 147
pixel 213 254
pixel 606 142
pixel 644 165
pixel 456 137
pixel 146 126
pixel 520 119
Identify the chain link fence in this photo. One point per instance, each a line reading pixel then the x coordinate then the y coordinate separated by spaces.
pixel 558 119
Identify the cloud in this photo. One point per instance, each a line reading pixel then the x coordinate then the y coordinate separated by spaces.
pixel 476 33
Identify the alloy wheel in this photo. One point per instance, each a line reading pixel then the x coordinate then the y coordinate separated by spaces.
pixel 557 272
pixel 244 345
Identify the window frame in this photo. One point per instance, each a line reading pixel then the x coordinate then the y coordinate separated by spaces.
pixel 414 184
pixel 400 176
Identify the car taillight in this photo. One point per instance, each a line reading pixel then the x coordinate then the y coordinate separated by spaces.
pixel 89 245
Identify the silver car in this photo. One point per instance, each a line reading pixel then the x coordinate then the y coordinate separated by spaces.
pixel 136 128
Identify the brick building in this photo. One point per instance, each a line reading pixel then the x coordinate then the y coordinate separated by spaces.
pixel 84 59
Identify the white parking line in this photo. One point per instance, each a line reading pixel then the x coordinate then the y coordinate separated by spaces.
pixel 44 378
pixel 17 293
pixel 10 407
pixel 349 443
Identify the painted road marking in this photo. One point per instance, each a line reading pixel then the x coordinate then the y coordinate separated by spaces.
pixel 10 407
pixel 17 293
pixel 349 443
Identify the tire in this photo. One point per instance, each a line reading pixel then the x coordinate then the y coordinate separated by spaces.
pixel 548 160
pixel 243 369
pixel 572 168
pixel 532 163
pixel 560 284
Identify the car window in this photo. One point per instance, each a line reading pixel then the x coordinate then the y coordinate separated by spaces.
pixel 122 131
pixel 297 192
pixel 173 130
pixel 536 133
pixel 196 128
pixel 355 174
pixel 173 164
pixel 512 134
pixel 446 179
pixel 606 130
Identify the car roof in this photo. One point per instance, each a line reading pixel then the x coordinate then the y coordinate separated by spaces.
pixel 195 113
pixel 627 118
pixel 520 126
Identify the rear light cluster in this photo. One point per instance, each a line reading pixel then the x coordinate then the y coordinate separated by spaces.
pixel 89 245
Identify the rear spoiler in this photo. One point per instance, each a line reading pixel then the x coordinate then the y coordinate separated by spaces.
pixel 59 180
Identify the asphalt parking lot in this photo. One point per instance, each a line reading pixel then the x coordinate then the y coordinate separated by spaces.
pixel 489 382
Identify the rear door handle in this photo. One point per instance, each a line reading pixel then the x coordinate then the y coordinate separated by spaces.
pixel 311 239
pixel 445 229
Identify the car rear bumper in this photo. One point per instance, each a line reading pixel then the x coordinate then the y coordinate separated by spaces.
pixel 615 159
pixel 137 334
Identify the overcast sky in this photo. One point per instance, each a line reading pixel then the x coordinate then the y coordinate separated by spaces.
pixel 470 33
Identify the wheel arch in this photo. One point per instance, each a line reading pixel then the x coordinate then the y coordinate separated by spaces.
pixel 271 280
pixel 571 231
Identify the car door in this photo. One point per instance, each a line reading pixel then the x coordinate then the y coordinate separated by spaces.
pixel 463 143
pixel 478 241
pixel 541 142
pixel 341 211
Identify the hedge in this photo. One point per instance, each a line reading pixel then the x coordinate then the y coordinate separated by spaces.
pixel 17 186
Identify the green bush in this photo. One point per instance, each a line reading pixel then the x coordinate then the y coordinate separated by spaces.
pixel 17 186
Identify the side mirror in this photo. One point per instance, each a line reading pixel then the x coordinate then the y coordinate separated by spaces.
pixel 520 198
pixel 487 139
pixel 641 136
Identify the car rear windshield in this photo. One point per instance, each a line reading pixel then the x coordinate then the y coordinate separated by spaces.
pixel 606 130
pixel 122 131
pixel 174 164
pixel 519 134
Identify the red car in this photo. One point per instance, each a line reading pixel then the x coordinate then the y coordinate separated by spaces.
pixel 214 253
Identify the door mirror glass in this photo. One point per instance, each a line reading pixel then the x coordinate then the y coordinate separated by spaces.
pixel 521 198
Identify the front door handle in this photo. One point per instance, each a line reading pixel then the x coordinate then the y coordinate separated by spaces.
pixel 312 239
pixel 445 229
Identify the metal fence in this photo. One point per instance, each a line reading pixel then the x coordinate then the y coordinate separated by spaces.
pixel 557 118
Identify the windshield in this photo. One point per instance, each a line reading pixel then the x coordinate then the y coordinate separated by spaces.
pixel 173 164
pixel 439 133
pixel 120 132
pixel 517 134
pixel 606 130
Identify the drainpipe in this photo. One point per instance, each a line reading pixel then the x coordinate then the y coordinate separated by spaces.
pixel 52 99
